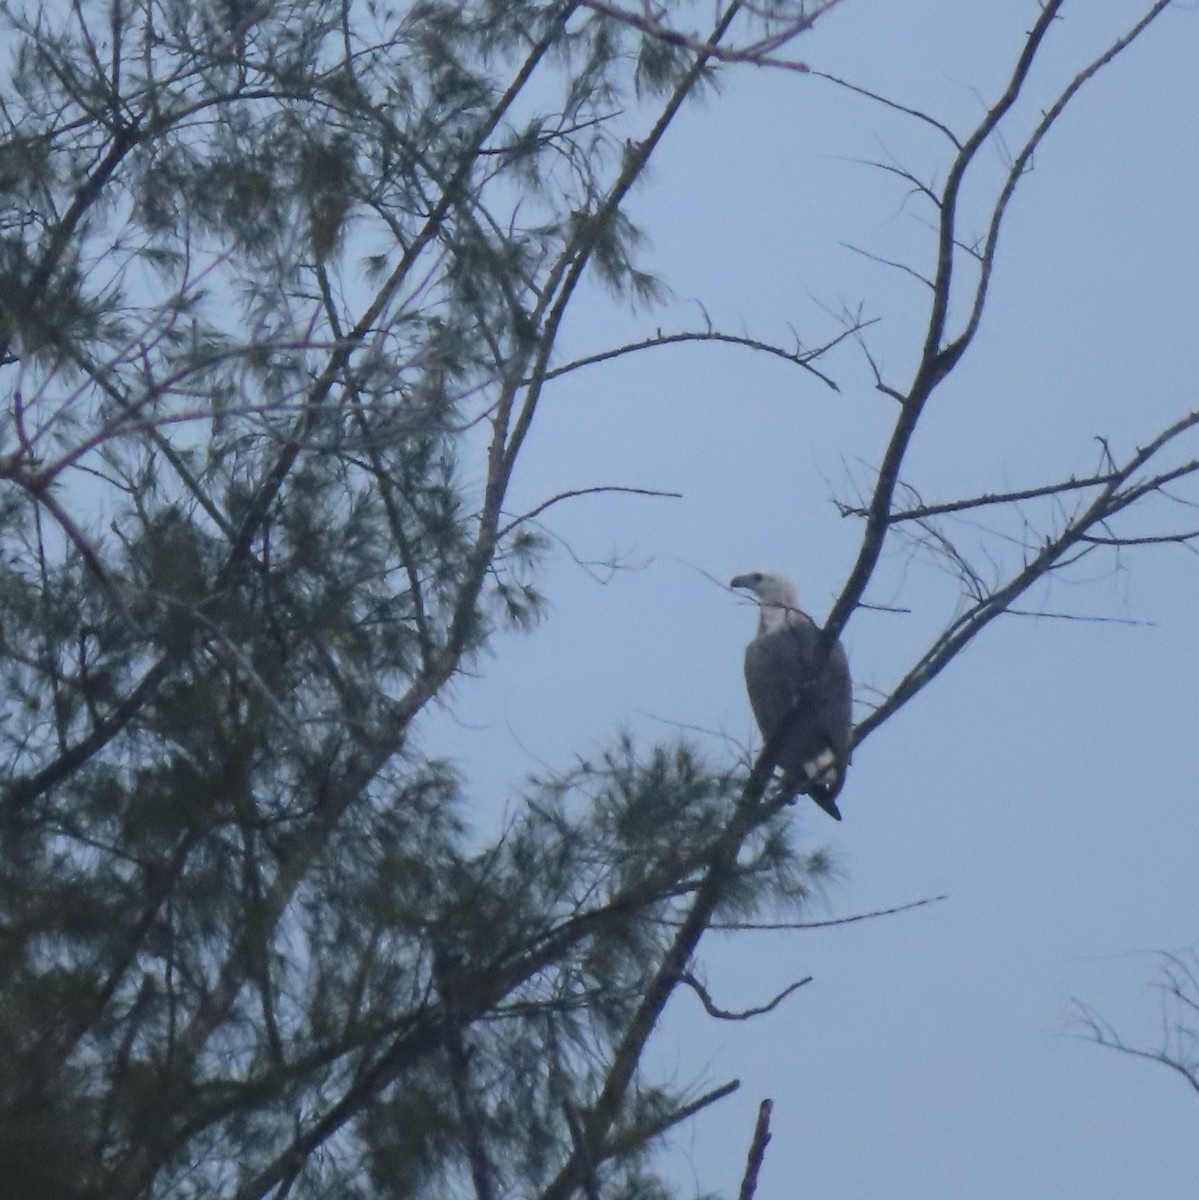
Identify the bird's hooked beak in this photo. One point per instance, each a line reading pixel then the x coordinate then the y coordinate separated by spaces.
pixel 744 581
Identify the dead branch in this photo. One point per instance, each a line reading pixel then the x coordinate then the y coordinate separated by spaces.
pixel 1177 987
pixel 574 493
pixel 937 358
pixel 892 104
pixel 774 926
pixel 757 1151
pixel 798 356
pixel 986 500
pixel 724 1014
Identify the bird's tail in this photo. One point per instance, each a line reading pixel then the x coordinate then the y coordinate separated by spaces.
pixel 823 793
pixel 825 777
pixel 824 796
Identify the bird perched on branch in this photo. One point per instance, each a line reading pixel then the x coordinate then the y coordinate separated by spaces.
pixel 790 690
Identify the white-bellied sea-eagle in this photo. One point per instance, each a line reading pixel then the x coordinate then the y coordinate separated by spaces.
pixel 786 689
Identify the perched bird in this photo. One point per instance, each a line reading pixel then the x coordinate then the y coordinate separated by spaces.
pixel 816 708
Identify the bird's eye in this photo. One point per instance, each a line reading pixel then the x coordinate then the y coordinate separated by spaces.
pixel 756 577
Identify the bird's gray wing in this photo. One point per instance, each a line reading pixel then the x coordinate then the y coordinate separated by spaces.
pixel 835 711
pixel 778 678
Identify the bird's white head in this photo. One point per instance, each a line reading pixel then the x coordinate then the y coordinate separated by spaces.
pixel 776 596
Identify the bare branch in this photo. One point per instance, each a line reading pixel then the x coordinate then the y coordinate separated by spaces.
pixel 834 923
pixel 1177 986
pixel 902 108
pixel 1023 160
pixel 1159 539
pixel 574 493
pixel 1121 491
pixel 939 357
pixel 888 262
pixel 924 511
pixel 1082 617
pixel 799 357
pixel 918 185
pixel 624 1141
pixel 757 1151
pixel 723 1014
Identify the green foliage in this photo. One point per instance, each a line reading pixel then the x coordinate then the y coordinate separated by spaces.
pixel 660 66
pixel 275 284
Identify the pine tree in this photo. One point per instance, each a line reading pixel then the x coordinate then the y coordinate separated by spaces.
pixel 250 944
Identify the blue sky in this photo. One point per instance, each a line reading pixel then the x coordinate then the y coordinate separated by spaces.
pixel 1045 781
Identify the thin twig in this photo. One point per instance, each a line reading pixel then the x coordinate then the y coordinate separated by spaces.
pixel 574 493
pixel 866 916
pixel 798 357
pixel 745 1014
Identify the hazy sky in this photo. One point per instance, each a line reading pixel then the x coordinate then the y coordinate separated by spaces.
pixel 1045 781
